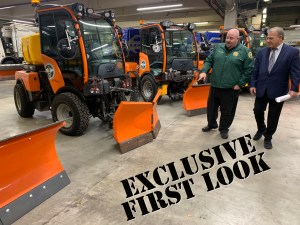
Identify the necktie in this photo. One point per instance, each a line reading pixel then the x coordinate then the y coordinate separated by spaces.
pixel 272 59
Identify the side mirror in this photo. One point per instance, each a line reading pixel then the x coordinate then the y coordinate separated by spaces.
pixel 156 48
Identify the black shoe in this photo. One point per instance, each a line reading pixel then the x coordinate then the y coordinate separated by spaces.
pixel 268 144
pixel 257 136
pixel 224 134
pixel 209 128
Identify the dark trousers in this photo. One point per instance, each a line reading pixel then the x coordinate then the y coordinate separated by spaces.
pixel 226 99
pixel 260 106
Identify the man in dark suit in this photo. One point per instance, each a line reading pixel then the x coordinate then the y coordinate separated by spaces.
pixel 273 67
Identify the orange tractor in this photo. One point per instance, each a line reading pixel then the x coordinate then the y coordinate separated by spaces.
pixel 167 59
pixel 75 68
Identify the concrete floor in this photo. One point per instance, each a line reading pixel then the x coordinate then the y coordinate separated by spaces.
pixel 96 167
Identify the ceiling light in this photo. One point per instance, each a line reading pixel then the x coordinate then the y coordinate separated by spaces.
pixel 266 0
pixel 265 10
pixel 7 7
pixel 169 10
pixel 263 20
pixel 264 16
pixel 158 7
pixel 201 23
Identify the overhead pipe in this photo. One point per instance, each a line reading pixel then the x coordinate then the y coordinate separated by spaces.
pixel 217 7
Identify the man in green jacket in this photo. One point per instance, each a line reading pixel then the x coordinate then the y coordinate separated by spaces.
pixel 231 64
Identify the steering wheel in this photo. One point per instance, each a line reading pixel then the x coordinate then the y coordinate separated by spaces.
pixel 67 49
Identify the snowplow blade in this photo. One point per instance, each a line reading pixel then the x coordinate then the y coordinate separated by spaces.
pixel 30 172
pixel 195 99
pixel 136 124
pixel 7 71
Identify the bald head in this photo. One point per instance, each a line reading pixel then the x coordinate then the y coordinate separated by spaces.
pixel 232 38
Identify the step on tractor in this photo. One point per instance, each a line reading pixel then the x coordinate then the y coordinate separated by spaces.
pixel 74 67
pixel 167 58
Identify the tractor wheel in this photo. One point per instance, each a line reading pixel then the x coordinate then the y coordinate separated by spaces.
pixel 68 107
pixel 148 88
pixel 23 106
pixel 9 62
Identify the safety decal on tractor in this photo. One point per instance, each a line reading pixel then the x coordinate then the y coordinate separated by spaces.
pixel 50 70
pixel 143 64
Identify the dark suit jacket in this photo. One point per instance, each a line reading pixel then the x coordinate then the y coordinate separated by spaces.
pixel 276 83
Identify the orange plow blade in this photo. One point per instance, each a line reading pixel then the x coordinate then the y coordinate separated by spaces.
pixel 7 71
pixel 136 123
pixel 30 172
pixel 195 99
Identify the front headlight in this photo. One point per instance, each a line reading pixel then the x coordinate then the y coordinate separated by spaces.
pixel 167 23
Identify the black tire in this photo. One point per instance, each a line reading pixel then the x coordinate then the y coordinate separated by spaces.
pixel 10 62
pixel 23 106
pixel 68 107
pixel 148 88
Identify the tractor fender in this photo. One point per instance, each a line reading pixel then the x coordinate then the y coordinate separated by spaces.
pixel 150 74
pixel 20 81
pixel 72 90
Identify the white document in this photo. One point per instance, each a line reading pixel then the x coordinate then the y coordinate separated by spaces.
pixel 283 98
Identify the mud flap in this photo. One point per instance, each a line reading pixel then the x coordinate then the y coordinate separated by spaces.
pixel 30 172
pixel 195 99
pixel 136 124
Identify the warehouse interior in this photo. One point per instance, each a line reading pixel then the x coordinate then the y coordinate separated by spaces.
pixel 281 13
pixel 175 174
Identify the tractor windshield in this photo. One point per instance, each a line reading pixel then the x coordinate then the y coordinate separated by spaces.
pixel 180 44
pixel 101 44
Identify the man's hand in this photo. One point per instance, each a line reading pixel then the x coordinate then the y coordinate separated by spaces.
pixel 236 87
pixel 293 94
pixel 202 76
pixel 252 91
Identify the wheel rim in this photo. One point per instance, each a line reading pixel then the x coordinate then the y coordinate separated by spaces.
pixel 64 112
pixel 147 89
pixel 18 101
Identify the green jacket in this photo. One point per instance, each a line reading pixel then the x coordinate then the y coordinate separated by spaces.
pixel 229 67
